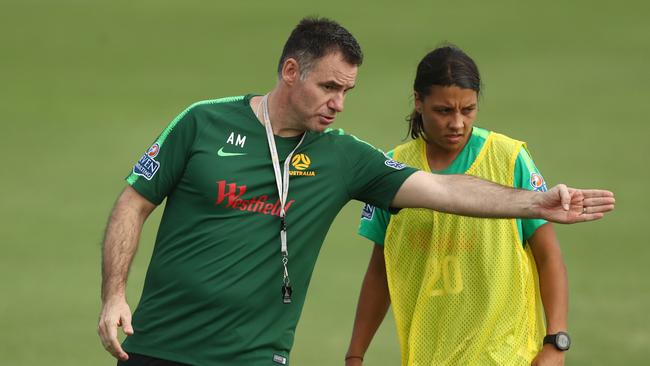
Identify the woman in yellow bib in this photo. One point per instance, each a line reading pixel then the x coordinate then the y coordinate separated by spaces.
pixel 464 291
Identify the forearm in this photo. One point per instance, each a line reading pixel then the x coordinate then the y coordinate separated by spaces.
pixel 464 195
pixel 554 292
pixel 373 304
pixel 121 241
pixel 553 282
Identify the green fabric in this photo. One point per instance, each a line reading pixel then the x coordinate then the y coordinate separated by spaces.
pixel 524 167
pixel 374 221
pixel 212 292
pixel 163 136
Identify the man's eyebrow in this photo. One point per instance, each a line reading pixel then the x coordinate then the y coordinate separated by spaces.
pixel 332 83
pixel 337 85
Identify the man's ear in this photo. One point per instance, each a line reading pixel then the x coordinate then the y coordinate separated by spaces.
pixel 290 71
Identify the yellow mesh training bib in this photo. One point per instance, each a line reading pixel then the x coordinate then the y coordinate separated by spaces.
pixel 464 290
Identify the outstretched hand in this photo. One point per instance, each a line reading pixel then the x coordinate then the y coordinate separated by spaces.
pixel 570 205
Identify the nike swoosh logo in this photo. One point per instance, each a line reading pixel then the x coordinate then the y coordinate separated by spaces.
pixel 223 153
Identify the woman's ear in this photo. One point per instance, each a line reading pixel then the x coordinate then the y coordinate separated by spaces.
pixel 418 102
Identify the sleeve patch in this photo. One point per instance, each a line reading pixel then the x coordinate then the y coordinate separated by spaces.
pixel 368 212
pixel 394 164
pixel 147 166
pixel 537 182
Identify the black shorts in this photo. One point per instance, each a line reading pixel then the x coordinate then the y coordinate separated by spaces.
pixel 142 360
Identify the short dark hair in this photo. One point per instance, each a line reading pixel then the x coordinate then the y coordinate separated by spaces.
pixel 314 38
pixel 445 66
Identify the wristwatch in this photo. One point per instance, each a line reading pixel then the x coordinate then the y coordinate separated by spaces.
pixel 559 340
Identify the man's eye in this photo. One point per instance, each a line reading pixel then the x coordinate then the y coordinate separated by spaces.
pixel 443 110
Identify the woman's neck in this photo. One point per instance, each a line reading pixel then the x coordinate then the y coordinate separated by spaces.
pixel 439 158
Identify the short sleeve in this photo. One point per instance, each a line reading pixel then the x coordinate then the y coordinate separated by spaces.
pixel 160 168
pixel 373 223
pixel 528 177
pixel 374 177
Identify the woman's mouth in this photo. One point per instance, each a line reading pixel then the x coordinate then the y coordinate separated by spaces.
pixel 454 138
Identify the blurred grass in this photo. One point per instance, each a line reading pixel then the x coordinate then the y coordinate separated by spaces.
pixel 86 86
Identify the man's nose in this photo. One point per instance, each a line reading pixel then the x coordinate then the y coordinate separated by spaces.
pixel 336 102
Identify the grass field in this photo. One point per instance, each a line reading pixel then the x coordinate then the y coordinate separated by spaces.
pixel 86 86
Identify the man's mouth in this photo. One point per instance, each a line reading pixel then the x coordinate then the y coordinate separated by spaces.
pixel 327 119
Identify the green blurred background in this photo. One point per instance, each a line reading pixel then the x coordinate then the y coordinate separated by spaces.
pixel 86 86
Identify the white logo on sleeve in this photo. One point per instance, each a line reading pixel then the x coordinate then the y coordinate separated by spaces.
pixel 368 211
pixel 147 166
pixel 394 164
pixel 279 359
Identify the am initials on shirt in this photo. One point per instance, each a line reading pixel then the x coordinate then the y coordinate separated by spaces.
pixel 239 141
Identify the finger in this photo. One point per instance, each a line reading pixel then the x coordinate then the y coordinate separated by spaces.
pixel 101 330
pixel 599 201
pixel 565 196
pixel 114 346
pixel 589 193
pixel 104 336
pixel 598 209
pixel 591 216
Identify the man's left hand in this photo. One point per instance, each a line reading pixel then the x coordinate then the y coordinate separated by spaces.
pixel 569 205
pixel 549 356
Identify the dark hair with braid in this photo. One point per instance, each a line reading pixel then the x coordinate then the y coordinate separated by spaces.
pixel 445 66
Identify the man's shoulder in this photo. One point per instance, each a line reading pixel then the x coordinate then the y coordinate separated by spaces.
pixel 339 136
pixel 217 104
pixel 196 112
pixel 226 110
pixel 334 133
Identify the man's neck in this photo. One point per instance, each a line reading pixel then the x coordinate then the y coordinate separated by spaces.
pixel 280 114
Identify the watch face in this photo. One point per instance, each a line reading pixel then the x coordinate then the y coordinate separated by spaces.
pixel 563 341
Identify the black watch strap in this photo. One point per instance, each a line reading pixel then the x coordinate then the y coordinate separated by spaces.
pixel 559 340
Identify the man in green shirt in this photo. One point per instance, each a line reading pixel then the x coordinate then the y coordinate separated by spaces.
pixel 237 244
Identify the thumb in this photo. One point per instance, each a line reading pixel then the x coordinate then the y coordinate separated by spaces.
pixel 565 196
pixel 126 324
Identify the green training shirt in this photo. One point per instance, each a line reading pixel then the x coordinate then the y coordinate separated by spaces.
pixel 374 221
pixel 212 294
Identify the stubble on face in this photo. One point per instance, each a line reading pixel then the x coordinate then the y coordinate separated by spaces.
pixel 320 96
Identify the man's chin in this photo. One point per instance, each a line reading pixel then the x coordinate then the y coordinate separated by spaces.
pixel 320 127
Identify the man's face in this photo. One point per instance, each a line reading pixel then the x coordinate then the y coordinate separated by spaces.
pixel 320 96
pixel 448 114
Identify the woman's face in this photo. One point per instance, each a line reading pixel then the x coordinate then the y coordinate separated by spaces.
pixel 448 114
